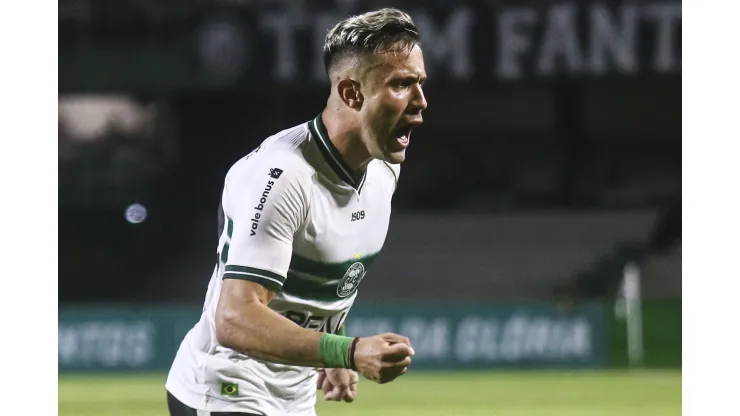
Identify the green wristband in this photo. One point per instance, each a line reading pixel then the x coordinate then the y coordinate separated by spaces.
pixel 334 350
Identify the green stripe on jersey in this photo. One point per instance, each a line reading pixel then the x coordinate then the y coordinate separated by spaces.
pixel 335 280
pixel 266 278
pixel 306 289
pixel 229 232
pixel 325 270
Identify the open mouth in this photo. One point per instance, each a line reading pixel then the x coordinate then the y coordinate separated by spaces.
pixel 403 135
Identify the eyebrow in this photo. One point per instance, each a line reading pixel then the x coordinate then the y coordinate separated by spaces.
pixel 410 75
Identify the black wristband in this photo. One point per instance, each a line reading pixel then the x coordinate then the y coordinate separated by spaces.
pixel 352 347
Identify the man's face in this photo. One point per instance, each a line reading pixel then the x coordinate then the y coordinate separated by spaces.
pixel 393 103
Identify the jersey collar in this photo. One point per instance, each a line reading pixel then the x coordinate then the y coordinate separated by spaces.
pixel 332 156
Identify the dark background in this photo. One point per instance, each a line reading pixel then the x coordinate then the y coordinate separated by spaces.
pixel 539 183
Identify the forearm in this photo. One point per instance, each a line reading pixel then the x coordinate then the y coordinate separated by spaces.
pixel 260 332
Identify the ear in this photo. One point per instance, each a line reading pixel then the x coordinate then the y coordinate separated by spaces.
pixel 349 93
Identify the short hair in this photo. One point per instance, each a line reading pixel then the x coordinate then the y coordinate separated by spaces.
pixel 374 32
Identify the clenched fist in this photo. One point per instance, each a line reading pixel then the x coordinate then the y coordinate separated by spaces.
pixel 383 358
pixel 338 384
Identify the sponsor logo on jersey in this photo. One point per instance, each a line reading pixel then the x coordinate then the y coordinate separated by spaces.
pixel 320 323
pixel 275 173
pixel 260 206
pixel 351 280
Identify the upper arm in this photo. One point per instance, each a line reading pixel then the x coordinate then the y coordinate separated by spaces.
pixel 239 292
pixel 265 206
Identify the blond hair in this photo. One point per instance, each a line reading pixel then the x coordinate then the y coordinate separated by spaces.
pixel 374 32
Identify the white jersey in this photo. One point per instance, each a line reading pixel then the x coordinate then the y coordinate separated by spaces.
pixel 295 219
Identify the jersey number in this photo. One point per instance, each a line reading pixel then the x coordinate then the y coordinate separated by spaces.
pixel 359 215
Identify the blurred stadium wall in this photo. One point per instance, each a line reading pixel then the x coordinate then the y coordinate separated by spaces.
pixel 549 160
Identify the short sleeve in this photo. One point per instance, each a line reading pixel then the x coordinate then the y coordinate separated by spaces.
pixel 265 206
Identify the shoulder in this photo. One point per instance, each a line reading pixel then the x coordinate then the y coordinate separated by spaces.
pixel 392 171
pixel 279 158
pixel 272 184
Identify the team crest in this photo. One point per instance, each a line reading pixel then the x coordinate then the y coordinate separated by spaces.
pixel 351 280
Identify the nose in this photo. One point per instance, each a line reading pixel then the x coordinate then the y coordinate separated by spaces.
pixel 419 102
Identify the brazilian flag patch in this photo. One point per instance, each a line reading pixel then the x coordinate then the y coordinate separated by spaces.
pixel 229 389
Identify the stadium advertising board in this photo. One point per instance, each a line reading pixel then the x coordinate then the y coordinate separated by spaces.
pixel 444 338
pixel 492 336
pixel 256 44
pixel 121 339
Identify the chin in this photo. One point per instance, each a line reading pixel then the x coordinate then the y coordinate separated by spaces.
pixel 395 158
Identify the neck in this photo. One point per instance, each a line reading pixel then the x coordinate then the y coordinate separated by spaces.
pixel 343 133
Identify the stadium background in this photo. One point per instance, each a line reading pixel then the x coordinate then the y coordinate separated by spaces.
pixel 550 159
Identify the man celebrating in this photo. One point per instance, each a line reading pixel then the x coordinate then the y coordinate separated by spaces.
pixel 301 219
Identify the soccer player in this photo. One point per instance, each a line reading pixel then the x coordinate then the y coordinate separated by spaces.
pixel 301 219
